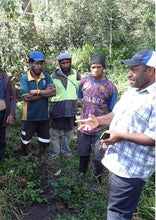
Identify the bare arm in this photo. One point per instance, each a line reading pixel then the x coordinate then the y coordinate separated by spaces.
pixel 105 119
pixel 138 138
pixel 36 94
pixel 48 92
pixel 31 98
pixel 93 122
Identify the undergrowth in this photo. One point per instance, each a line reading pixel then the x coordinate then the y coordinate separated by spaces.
pixel 28 180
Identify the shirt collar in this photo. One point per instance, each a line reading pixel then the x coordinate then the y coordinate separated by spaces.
pixel 30 78
pixel 149 89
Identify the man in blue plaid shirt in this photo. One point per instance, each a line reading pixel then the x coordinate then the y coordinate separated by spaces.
pixel 130 156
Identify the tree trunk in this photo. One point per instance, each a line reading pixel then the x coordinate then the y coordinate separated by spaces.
pixel 29 17
pixel 110 38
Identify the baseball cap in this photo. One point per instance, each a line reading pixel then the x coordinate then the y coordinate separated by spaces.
pixel 98 58
pixel 146 57
pixel 64 56
pixel 37 56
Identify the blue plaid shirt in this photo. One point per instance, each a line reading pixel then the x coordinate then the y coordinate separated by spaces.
pixel 134 113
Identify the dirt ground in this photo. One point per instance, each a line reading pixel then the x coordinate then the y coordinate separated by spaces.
pixel 50 210
pixel 43 211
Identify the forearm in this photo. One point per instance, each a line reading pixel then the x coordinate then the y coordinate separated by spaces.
pixel 32 98
pixel 138 138
pixel 105 119
pixel 47 93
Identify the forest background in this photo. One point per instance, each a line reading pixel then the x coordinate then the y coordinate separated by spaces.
pixel 83 28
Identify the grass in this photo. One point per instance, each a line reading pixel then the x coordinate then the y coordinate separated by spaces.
pixel 29 181
pixel 24 180
pixel 146 207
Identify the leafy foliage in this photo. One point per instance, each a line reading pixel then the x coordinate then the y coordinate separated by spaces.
pixel 55 26
pixel 82 28
pixel 28 180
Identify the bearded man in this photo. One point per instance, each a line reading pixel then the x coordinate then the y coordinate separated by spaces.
pixel 63 106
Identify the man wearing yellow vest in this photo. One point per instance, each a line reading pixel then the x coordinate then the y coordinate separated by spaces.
pixel 63 106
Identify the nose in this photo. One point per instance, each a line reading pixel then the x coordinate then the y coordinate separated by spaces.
pixel 130 73
pixel 95 69
pixel 40 65
pixel 65 65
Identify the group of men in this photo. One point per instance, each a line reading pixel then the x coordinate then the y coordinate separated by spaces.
pixel 36 88
pixel 63 88
pixel 130 148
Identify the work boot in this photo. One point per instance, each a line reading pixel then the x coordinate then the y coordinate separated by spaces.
pixel 24 149
pixel 84 162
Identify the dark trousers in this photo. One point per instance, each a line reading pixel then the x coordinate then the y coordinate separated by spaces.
pixel 2 141
pixel 124 196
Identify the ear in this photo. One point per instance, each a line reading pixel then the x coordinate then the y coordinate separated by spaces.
pixel 151 71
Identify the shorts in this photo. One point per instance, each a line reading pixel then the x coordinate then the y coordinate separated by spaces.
pixel 41 128
pixel 64 123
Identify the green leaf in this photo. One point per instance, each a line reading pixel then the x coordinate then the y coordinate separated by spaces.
pixel 58 172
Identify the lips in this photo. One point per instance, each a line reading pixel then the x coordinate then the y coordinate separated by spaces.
pixel 131 80
pixel 95 74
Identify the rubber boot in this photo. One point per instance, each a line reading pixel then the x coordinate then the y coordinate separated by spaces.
pixel 98 172
pixel 84 162
pixel 24 149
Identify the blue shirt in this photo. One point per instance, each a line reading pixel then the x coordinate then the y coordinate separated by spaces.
pixel 37 110
pixel 134 113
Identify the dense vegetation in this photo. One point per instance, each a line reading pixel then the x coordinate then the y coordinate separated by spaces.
pixel 116 28
pixel 83 28
pixel 31 189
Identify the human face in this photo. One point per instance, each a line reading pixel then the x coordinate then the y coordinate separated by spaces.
pixel 97 71
pixel 139 76
pixel 65 66
pixel 36 67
